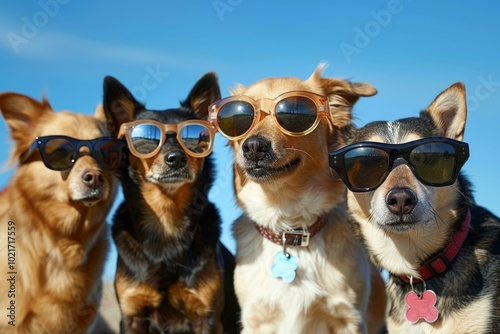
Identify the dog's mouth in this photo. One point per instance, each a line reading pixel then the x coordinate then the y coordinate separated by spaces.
pixel 402 224
pixel 259 171
pixel 91 198
pixel 176 176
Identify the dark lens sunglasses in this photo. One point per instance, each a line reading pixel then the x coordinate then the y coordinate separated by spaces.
pixel 295 113
pixel 146 137
pixel 61 152
pixel 435 161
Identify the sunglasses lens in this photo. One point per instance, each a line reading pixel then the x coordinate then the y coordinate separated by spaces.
pixel 434 162
pixel 235 118
pixel 196 138
pixel 145 138
pixel 108 153
pixel 58 153
pixel 296 114
pixel 366 167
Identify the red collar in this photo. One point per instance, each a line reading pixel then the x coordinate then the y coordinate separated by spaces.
pixel 293 237
pixel 439 263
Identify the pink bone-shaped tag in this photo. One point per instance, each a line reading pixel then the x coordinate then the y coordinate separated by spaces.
pixel 421 307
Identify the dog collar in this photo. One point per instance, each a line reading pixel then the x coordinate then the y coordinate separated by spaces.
pixel 293 237
pixel 439 263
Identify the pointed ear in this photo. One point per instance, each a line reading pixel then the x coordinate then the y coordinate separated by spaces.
pixel 449 111
pixel 237 90
pixel 22 114
pixel 119 105
pixel 205 92
pixel 342 95
pixel 99 113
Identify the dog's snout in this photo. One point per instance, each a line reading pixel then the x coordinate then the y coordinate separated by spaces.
pixel 255 148
pixel 93 178
pixel 176 159
pixel 401 200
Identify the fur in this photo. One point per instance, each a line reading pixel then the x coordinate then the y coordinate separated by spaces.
pixel 336 290
pixel 166 231
pixel 468 293
pixel 59 237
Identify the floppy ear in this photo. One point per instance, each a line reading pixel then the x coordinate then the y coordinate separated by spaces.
pixel 205 92
pixel 119 104
pixel 342 95
pixel 449 111
pixel 22 115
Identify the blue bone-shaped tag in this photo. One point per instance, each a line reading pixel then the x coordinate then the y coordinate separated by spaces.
pixel 284 267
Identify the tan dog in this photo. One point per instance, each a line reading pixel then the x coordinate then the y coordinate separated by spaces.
pixel 52 222
pixel 284 184
pixel 416 214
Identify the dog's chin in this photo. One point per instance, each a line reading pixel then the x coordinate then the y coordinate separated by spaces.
pixel 172 178
pixel 398 224
pixel 262 172
pixel 90 198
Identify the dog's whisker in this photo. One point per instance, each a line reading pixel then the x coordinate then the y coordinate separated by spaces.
pixel 301 151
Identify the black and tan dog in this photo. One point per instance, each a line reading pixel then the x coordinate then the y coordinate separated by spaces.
pixel 168 279
pixel 417 216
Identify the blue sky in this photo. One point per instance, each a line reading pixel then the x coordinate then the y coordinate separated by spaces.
pixel 409 50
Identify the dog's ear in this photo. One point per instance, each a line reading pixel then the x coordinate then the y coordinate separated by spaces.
pixel 342 95
pixel 237 90
pixel 22 114
pixel 205 92
pixel 99 113
pixel 449 111
pixel 119 104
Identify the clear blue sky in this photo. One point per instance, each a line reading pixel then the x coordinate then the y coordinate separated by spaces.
pixel 409 50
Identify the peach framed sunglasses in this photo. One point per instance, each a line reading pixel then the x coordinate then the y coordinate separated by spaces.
pixel 146 137
pixel 296 113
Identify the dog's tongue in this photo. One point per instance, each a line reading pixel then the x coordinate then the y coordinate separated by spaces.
pixel 90 203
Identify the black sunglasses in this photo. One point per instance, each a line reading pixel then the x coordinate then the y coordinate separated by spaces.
pixel 61 152
pixel 435 161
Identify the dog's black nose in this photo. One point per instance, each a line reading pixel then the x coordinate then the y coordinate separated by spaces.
pixel 176 159
pixel 401 200
pixel 93 178
pixel 255 148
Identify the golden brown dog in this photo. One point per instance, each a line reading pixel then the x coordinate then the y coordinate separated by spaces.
pixel 52 222
pixel 320 281
pixel 416 214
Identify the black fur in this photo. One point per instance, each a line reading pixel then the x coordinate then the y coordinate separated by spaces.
pixel 145 252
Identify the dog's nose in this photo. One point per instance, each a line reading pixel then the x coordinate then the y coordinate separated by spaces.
pixel 93 178
pixel 401 200
pixel 255 148
pixel 176 159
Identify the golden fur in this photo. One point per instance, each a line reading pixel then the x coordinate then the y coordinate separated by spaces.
pixel 336 290
pixel 60 240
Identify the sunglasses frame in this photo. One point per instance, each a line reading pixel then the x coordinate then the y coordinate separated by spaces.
pixel 268 106
pixel 395 151
pixel 126 129
pixel 40 143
